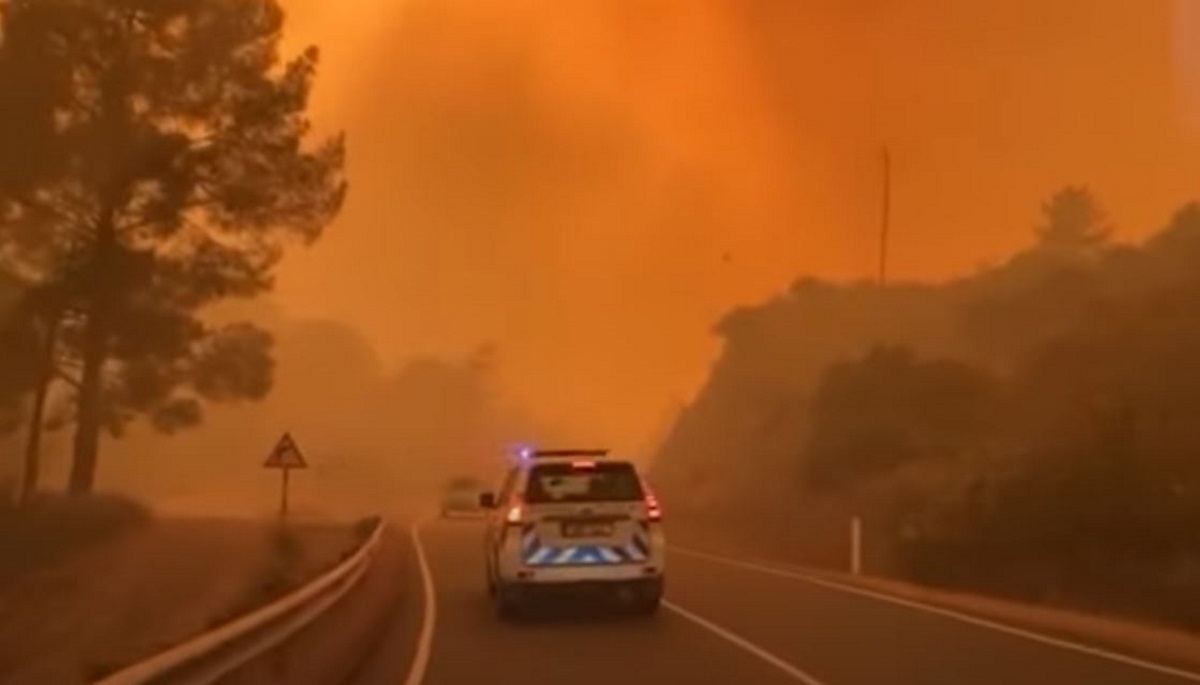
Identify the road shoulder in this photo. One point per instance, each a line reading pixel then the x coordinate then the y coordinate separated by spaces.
pixel 349 642
pixel 1154 647
pixel 123 600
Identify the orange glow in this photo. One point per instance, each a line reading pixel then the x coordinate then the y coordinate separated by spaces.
pixel 590 184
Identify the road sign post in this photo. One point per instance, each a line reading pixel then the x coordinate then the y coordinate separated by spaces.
pixel 283 492
pixel 856 546
pixel 285 456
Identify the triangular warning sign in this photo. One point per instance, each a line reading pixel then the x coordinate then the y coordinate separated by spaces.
pixel 286 455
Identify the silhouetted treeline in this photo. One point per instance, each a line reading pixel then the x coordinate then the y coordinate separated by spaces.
pixel 1029 430
pixel 374 436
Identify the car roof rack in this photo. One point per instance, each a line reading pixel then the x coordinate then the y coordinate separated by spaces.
pixel 569 453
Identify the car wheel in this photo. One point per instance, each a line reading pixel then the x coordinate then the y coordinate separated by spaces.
pixel 647 606
pixel 508 605
pixel 647 599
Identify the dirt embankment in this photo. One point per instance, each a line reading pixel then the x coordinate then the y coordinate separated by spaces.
pixel 112 599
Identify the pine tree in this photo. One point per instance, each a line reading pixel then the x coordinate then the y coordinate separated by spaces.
pixel 154 159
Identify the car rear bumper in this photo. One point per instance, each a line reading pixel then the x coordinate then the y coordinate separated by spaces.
pixel 624 573
pixel 518 565
pixel 635 588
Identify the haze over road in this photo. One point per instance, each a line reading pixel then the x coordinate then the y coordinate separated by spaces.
pixel 724 622
pixel 923 269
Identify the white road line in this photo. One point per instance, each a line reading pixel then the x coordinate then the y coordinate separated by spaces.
pixel 416 672
pixel 800 575
pixel 739 641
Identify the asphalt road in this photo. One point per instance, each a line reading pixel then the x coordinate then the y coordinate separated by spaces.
pixel 724 622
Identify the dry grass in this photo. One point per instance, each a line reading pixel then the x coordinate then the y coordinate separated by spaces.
pixel 80 614
pixel 52 527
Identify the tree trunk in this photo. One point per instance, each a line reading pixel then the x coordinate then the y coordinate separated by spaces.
pixel 116 121
pixel 89 417
pixel 33 445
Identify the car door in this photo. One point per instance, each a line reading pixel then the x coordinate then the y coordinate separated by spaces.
pixel 495 520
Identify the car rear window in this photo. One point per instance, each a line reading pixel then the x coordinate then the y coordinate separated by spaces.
pixel 601 482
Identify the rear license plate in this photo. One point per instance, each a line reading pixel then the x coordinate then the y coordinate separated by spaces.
pixel 586 529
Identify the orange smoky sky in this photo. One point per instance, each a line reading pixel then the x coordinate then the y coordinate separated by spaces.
pixel 589 184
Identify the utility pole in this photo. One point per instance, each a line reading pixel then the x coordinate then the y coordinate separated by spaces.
pixel 885 219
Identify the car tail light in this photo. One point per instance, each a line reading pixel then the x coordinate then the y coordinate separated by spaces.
pixel 653 510
pixel 515 515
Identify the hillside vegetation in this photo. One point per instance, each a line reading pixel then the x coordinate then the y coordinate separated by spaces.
pixel 1028 431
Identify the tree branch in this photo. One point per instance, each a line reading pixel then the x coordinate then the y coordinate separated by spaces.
pixel 29 202
pixel 138 224
pixel 67 378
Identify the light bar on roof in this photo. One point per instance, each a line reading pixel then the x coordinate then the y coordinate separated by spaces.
pixel 571 453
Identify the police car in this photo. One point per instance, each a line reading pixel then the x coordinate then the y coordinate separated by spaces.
pixel 573 521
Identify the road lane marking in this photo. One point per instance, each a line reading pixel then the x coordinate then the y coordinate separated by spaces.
pixel 416 672
pixel 787 572
pixel 739 641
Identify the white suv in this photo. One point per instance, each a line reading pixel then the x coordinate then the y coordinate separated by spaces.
pixel 573 521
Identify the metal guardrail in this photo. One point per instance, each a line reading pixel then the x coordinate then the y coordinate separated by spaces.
pixel 266 627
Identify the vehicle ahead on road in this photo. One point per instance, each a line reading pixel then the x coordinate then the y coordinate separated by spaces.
pixel 573 521
pixel 461 496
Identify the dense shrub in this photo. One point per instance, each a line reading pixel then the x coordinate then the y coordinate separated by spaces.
pixel 50 527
